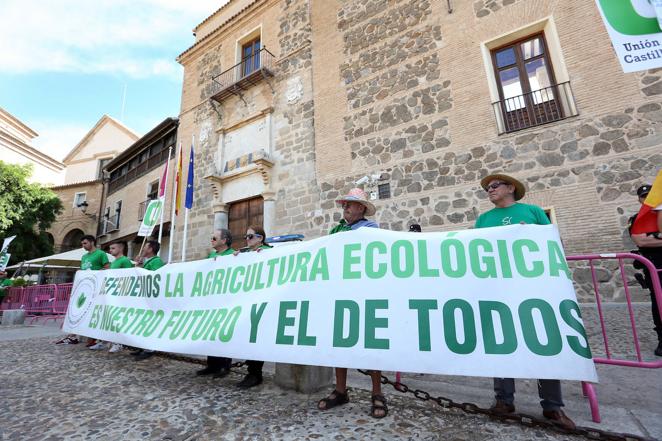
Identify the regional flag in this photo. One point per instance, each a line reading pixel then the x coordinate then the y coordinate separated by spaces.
pixel 178 183
pixel 164 179
pixel 646 221
pixel 189 184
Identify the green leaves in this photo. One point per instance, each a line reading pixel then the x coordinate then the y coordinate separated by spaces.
pixel 26 210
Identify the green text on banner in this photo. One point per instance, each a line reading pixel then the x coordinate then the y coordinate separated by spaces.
pixel 493 302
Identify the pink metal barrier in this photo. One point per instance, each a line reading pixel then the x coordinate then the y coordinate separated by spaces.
pixel 39 301
pixel 588 388
pixel 15 299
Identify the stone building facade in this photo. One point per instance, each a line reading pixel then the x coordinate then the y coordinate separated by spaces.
pixel 133 181
pixel 411 95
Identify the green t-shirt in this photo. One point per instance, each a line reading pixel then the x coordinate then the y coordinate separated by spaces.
pixel 94 260
pixel 121 262
pixel 153 263
pixel 228 252
pixel 513 215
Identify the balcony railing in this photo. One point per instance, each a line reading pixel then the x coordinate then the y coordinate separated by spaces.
pixel 142 208
pixel 250 71
pixel 109 224
pixel 535 108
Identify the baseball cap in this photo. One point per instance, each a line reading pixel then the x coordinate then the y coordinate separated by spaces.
pixel 643 190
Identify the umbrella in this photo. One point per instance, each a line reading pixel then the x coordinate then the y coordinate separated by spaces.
pixel 68 259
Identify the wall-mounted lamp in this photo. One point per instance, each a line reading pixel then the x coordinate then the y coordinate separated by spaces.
pixel 83 206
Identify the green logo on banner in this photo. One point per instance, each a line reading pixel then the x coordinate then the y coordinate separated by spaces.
pixel 153 213
pixel 81 300
pixel 624 18
pixel 82 296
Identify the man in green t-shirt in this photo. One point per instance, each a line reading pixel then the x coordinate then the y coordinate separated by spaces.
pixel 149 261
pixel 221 243
pixel 118 251
pixel 504 191
pixel 95 259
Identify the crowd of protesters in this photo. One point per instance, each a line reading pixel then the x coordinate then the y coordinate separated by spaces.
pixel 503 191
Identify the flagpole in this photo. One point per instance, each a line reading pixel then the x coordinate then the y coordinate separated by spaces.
pixel 165 195
pixel 185 233
pixel 172 207
pixel 186 204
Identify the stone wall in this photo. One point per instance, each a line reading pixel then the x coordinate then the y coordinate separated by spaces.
pixel 483 8
pixel 399 89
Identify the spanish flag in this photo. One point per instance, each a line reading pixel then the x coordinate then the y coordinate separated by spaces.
pixel 178 183
pixel 646 221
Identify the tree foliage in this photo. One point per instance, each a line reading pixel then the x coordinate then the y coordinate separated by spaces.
pixel 26 210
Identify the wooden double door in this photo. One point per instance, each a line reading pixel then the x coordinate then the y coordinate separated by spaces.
pixel 243 214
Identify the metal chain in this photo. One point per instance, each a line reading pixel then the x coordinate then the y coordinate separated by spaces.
pixel 473 409
pixel 521 418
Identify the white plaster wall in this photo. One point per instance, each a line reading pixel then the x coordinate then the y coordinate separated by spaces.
pixel 41 174
pixel 109 139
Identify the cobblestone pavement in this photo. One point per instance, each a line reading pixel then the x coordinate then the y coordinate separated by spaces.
pixel 67 392
pixel 54 392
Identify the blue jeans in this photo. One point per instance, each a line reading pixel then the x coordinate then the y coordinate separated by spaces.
pixel 548 390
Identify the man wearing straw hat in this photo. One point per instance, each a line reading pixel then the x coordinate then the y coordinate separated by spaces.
pixel 504 192
pixel 356 207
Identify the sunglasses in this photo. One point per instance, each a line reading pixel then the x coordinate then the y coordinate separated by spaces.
pixel 251 236
pixel 495 185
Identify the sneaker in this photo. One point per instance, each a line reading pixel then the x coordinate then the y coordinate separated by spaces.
pixel 97 347
pixel 249 381
pixel 559 418
pixel 658 350
pixel 115 347
pixel 502 408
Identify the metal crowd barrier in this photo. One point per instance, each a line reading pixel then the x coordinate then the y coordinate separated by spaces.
pixel 610 358
pixel 588 389
pixel 39 301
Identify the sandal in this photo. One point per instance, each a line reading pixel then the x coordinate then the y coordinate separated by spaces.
pixel 376 407
pixel 68 340
pixel 334 399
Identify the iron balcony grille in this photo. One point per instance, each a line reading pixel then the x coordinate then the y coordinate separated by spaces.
pixel 109 224
pixel 243 75
pixel 142 208
pixel 536 108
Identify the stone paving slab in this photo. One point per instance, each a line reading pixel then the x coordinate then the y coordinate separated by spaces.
pixel 70 393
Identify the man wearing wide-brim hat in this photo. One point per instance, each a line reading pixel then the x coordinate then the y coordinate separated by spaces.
pixel 504 191
pixel 356 207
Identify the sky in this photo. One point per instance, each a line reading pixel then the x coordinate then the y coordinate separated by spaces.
pixel 66 63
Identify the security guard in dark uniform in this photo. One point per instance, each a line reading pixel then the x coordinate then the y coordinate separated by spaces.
pixel 651 250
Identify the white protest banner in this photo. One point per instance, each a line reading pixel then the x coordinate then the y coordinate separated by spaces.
pixel 151 217
pixel 5 244
pixel 494 302
pixel 4 261
pixel 635 32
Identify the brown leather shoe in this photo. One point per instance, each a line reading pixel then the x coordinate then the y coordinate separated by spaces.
pixel 560 418
pixel 502 408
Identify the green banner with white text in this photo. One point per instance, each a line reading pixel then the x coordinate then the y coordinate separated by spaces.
pixel 493 302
